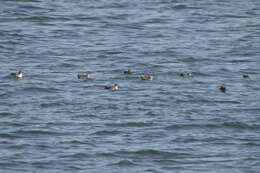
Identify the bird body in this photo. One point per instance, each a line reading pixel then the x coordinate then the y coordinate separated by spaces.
pixel 83 76
pixel 246 76
pixel 148 77
pixel 222 88
pixel 114 87
pixel 18 75
pixel 128 72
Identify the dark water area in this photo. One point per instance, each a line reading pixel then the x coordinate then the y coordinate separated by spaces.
pixel 50 121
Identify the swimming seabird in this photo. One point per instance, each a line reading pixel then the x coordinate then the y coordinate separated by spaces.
pixel 148 77
pixel 83 76
pixel 17 75
pixel 114 87
pixel 128 72
pixel 246 76
pixel 222 88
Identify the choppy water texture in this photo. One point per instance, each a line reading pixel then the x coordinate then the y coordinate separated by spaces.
pixel 52 122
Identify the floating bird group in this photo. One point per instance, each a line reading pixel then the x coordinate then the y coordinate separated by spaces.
pixel 222 88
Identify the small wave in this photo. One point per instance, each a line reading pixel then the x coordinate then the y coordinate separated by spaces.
pixel 47 105
pixel 208 101
pixel 42 163
pixel 30 7
pixel 241 125
pixel 84 115
pixel 239 61
pixel 253 144
pixel 226 101
pixel 75 142
pixel 183 126
pixel 106 132
pixel 123 163
pixel 2 114
pixel 8 165
pixel 18 146
pixel 87 18
pixel 41 89
pixel 153 153
pixel 233 16
pixel 188 59
pixel 67 65
pixel 131 124
pixel 36 132
pixel 222 125
pixel 168 161
pixel 150 152
pixel 181 6
pixel 76 155
pixel 107 155
pixel 75 167
pixel 35 18
pixel 113 52
pixel 8 136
